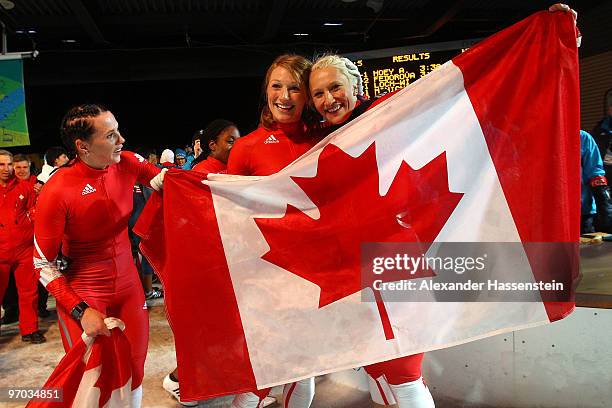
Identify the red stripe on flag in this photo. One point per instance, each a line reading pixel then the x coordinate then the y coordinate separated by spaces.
pixel 384 316
pixel 531 125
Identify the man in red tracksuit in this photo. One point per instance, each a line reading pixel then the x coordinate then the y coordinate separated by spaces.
pixel 17 200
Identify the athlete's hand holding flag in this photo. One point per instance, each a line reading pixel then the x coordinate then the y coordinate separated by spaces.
pixel 96 372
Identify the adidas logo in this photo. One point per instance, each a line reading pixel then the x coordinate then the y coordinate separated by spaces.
pixel 87 189
pixel 271 139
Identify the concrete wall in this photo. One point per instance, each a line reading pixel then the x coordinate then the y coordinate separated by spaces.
pixel 567 364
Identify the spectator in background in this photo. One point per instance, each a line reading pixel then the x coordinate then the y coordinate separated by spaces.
pixel 181 159
pixel 189 158
pixel 167 159
pixel 218 137
pixel 193 152
pixel 55 157
pixel 602 133
pixel 596 205
pixel 152 158
pixel 197 146
pixel 22 166
pixel 140 196
pixel 17 200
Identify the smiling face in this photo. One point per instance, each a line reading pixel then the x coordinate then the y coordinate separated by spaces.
pixel 286 99
pixel 104 146
pixel 333 96
pixel 22 169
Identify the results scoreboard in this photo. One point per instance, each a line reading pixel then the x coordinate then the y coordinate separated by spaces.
pixel 385 71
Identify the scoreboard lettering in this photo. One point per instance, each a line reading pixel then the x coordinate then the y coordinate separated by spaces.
pixel 388 74
pixel 411 57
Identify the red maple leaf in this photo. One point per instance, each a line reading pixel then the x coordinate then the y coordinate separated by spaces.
pixel 326 251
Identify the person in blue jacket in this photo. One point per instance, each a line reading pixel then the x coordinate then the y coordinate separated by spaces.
pixel 596 205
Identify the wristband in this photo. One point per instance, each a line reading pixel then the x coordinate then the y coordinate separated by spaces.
pixel 78 311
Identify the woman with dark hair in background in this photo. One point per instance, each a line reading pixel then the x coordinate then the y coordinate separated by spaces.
pixel 216 140
pixel 84 209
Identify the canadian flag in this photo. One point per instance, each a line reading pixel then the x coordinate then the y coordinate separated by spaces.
pixel 262 274
pixel 96 372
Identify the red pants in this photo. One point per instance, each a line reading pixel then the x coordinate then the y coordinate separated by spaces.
pixel 398 371
pixel 27 287
pixel 127 304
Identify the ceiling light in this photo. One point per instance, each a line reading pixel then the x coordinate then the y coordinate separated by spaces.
pixel 19 32
pixel 7 4
pixel 301 34
pixel 31 31
pixel 333 24
pixel 375 5
pixel 69 41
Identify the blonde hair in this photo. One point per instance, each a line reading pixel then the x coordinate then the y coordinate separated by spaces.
pixel 299 67
pixel 345 66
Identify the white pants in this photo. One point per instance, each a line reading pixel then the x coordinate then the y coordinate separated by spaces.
pixel 413 394
pixel 295 395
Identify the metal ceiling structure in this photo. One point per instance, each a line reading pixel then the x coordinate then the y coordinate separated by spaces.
pixel 124 40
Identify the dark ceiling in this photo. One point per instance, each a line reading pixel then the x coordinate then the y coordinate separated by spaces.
pixel 83 41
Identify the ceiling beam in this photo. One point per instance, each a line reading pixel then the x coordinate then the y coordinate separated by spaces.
pixel 275 18
pixel 191 19
pixel 86 21
pixel 452 9
pixel 279 15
